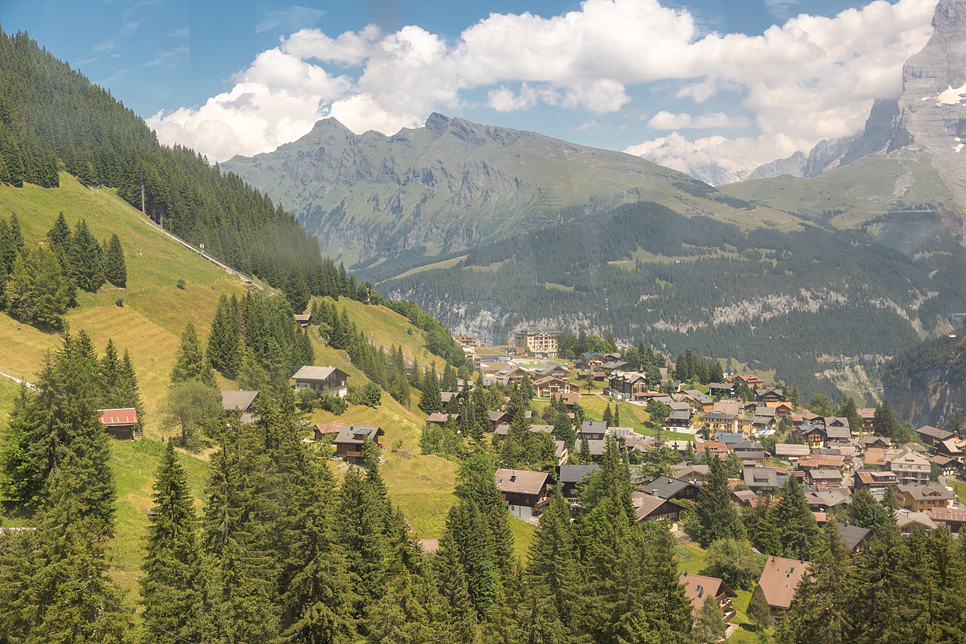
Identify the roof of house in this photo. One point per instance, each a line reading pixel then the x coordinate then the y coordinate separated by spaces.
pixel 923 492
pixel 645 504
pixel 823 461
pixel 852 535
pixel 237 399
pixel 665 487
pixel 934 432
pixel 680 415
pixel 729 438
pixel 316 373
pixel 683 469
pixel 119 417
pixel 769 390
pixel 789 449
pixel 696 395
pixel 826 475
pixel 779 579
pixel 905 518
pixel 710 446
pixel 520 481
pixel 576 473
pixel 429 545
pixel 437 417
pixel 761 477
pixel 947 515
pixel 357 434
pixel 593 427
pixel 838 432
pixel 328 428
pixel 748 446
pixel 758 455
pixel 697 586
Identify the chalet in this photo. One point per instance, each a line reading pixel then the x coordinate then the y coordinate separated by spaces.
pixel 769 394
pixel 752 459
pixel 303 319
pixel 242 400
pixel 652 508
pixel 592 430
pixel 819 461
pixel 875 480
pixel 121 424
pixel 792 453
pixel 711 447
pixel 728 407
pixel 569 400
pixel 953 519
pixel 722 390
pixel 551 386
pixel 908 521
pixel 693 474
pixel 932 436
pixel 446 397
pixel 823 500
pixel 665 487
pixel 561 452
pixel 747 446
pixel 836 421
pixel 512 375
pixel 825 478
pixel 750 380
pixel 730 439
pixel 697 587
pixel 744 498
pixel 589 359
pixel 856 539
pixel 570 478
pixel 679 421
pixel 762 480
pixel 614 365
pixel 468 341
pixel 627 385
pixel 349 442
pixel 554 370
pixel 597 449
pixel 322 380
pixel 498 418
pixel 326 430
pixel 835 434
pixel 502 430
pixel 439 419
pixel 782 409
pixel 523 492
pixel 920 498
pixel 698 400
pixel 947 466
pixel 950 448
pixel 813 435
pixel 875 441
pixel 866 414
pixel 778 580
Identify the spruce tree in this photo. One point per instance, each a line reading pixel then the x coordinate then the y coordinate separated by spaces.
pixel 296 290
pixel 716 512
pixel 86 258
pixel 224 351
pixel 190 361
pixel 115 269
pixel 52 290
pixel 797 523
pixel 20 288
pixel 172 585
pixel 758 609
pixel 711 625
pixel 431 401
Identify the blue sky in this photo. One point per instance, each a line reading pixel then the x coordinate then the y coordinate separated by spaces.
pixel 727 82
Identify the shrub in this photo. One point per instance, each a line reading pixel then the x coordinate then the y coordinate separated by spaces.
pixel 181 284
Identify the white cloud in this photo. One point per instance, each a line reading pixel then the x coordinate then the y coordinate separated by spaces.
pixel 815 77
pixel 664 120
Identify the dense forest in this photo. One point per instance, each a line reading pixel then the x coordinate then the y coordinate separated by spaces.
pixel 52 119
pixel 773 299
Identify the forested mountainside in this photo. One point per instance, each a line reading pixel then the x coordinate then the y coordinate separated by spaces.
pixel 52 117
pixel 926 383
pixel 797 302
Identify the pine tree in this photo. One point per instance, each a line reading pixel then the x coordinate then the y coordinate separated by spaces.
pixel 431 401
pixel 711 624
pixel 190 361
pixel 714 509
pixel 224 351
pixel 86 258
pixel 296 290
pixel 758 610
pixel 608 416
pixel 52 290
pixel 171 586
pixel 115 269
pixel 798 527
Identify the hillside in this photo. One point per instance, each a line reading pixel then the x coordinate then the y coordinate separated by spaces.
pixel 454 184
pixel 926 383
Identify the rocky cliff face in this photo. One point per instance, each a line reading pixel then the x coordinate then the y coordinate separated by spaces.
pixel 930 116
pixel 934 397
pixel 792 165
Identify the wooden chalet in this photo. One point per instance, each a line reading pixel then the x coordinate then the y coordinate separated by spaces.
pixel 769 394
pixel 778 580
pixel 524 492
pixel 322 380
pixel 244 401
pixel 593 430
pixel 875 480
pixel 652 508
pixel 303 319
pixel 921 498
pixel 551 386
pixel 665 487
pixel 953 519
pixel 349 442
pixel 627 385
pixel 121 424
pixel 932 436
pixel 326 430
pixel 570 478
pixel 722 390
pixel 749 380
pixel 697 587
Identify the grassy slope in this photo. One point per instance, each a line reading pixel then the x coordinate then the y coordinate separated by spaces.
pixel 861 189
pixel 149 325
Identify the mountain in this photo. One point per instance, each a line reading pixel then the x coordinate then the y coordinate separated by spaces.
pixel 928 117
pixel 926 383
pixel 453 185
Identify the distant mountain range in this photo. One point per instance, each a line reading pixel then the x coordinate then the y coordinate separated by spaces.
pixel 493 229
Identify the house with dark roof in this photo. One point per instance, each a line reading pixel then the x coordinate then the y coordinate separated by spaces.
pixel 932 436
pixel 762 480
pixel 594 430
pixel 349 442
pixel 665 487
pixel 856 539
pixel 523 492
pixel 652 508
pixel 953 519
pixel 570 478
pixel 698 587
pixel 947 466
pixel 769 394
pixel 679 421
pixel 814 435
pixel 722 390
pixel 693 474
pixel 322 380
pixel 698 400
pixel 711 447
pixel 825 478
pixel 791 452
pixel 875 480
pixel 779 580
pixel 327 430
pixel 242 400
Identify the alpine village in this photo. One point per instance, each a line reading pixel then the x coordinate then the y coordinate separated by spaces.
pixel 211 432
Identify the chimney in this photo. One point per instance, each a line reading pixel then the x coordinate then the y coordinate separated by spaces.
pixel 513 476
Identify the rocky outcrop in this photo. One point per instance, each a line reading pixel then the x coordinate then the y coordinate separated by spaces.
pixel 793 165
pixel 933 397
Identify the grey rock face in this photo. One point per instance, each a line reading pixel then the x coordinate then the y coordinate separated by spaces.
pixel 793 165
